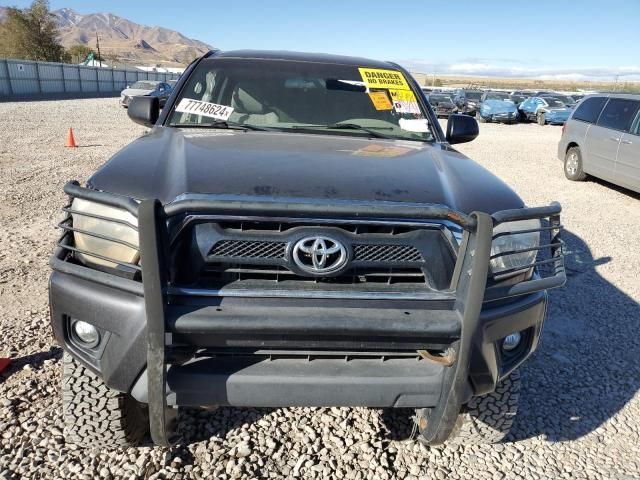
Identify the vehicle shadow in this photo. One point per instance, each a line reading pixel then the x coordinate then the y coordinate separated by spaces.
pixel 586 367
pixel 617 188
pixel 585 370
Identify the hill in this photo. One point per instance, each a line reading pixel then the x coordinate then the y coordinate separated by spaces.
pixel 127 41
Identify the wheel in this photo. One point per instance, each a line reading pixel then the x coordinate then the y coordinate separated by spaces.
pixel 480 118
pixel 486 419
pixel 541 120
pixel 96 416
pixel 573 165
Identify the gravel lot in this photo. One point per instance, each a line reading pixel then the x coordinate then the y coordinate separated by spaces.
pixel 580 406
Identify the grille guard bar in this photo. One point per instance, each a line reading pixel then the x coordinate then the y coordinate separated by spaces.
pixel 470 281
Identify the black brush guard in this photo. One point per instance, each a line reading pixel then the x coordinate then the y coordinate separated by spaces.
pixel 469 281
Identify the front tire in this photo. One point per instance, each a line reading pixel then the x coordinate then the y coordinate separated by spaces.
pixel 480 118
pixel 96 416
pixel 487 419
pixel 541 120
pixel 573 169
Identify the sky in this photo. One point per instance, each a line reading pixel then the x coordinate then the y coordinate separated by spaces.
pixel 579 40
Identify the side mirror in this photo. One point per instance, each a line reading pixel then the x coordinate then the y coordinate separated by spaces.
pixel 460 128
pixel 145 110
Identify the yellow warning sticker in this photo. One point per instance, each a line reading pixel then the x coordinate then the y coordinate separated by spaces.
pixel 380 78
pixel 380 100
pixel 404 101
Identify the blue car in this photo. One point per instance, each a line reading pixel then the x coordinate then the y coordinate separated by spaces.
pixel 545 109
pixel 497 107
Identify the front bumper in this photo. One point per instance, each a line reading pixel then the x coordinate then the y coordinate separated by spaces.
pixel 246 379
pixel 503 117
pixel 167 349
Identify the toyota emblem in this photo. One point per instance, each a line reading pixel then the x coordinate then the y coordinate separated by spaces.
pixel 319 255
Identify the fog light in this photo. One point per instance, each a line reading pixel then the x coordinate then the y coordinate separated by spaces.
pixel 510 342
pixel 86 333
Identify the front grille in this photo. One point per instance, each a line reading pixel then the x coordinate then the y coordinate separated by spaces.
pixel 256 255
pixel 386 253
pixel 248 249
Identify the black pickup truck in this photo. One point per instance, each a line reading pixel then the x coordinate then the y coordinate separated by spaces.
pixel 296 230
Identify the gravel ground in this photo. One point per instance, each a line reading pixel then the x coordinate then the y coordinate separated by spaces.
pixel 580 407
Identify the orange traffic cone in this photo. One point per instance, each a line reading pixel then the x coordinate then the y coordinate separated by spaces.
pixel 4 363
pixel 71 141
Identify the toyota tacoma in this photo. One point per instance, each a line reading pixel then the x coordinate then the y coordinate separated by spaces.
pixel 297 230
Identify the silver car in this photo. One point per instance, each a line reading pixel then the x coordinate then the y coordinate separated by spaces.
pixel 151 88
pixel 602 139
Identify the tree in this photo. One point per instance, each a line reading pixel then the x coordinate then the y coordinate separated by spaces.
pixel 78 52
pixel 31 34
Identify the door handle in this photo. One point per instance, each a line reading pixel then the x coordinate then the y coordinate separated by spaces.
pixel 614 139
pixel 627 142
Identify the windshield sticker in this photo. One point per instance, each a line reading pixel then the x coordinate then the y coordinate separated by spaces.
pixel 376 150
pixel 417 125
pixel 380 100
pixel 378 78
pixel 404 101
pixel 219 112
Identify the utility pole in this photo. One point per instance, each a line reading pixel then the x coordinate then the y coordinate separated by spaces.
pixel 98 47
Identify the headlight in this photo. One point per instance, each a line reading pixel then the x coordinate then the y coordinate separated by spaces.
pixel 110 233
pixel 504 241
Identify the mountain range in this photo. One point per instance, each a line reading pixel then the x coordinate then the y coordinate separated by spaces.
pixel 130 42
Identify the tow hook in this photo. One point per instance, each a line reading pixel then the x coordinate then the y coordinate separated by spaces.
pixel 440 357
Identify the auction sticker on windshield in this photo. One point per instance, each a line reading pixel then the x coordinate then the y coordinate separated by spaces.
pixel 380 78
pixel 219 112
pixel 404 101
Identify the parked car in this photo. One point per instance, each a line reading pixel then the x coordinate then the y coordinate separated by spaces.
pixel 497 107
pixel 299 232
pixel 602 139
pixel 568 100
pixel 149 88
pixel 467 100
pixel 544 110
pixel 442 104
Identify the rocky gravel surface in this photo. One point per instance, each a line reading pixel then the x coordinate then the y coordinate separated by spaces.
pixel 580 406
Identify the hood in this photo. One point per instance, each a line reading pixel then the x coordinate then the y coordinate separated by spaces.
pixel 170 162
pixel 136 92
pixel 498 106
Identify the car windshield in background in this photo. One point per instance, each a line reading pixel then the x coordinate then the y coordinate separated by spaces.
pixel 144 85
pixel 497 96
pixel 473 95
pixel 554 102
pixel 440 98
pixel 565 99
pixel 296 96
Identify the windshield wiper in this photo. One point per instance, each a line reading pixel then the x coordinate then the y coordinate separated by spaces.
pixel 221 124
pixel 349 126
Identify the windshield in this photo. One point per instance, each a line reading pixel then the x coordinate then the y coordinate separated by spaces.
pixel 144 86
pixel 300 96
pixel 565 99
pixel 473 95
pixel 553 102
pixel 440 98
pixel 497 96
